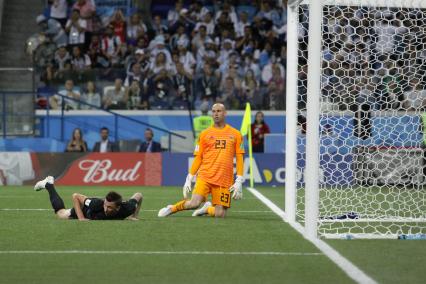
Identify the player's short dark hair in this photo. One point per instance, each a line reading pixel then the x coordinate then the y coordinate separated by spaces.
pixel 113 196
pixel 105 128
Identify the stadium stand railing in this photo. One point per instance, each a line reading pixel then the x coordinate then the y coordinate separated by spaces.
pixel 63 116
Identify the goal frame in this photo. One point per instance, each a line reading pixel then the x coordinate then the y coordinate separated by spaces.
pixel 313 107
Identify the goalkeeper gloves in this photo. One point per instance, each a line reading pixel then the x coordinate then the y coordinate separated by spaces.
pixel 187 187
pixel 237 188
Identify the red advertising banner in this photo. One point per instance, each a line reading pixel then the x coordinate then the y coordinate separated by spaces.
pixel 122 169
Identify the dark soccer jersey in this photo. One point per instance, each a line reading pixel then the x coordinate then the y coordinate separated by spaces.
pixel 93 209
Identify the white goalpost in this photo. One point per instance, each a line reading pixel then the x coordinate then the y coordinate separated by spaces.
pixel 356 98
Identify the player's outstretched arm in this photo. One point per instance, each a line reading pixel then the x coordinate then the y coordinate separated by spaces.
pixel 237 188
pixel 78 201
pixel 187 187
pixel 139 198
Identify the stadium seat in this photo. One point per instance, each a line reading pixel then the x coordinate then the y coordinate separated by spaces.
pixel 179 145
pixel 129 145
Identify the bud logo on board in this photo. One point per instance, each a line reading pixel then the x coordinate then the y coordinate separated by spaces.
pixel 99 171
pixel 107 169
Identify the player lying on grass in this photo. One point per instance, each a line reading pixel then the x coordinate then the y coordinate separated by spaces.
pixel 214 165
pixel 87 208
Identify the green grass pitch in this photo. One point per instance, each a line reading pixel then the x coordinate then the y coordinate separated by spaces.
pixel 163 248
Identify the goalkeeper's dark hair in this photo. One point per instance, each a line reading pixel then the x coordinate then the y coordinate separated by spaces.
pixel 113 196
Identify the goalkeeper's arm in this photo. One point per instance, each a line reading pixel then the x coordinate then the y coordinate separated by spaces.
pixel 237 187
pixel 187 188
pixel 195 165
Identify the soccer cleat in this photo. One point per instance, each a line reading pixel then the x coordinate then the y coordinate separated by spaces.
pixel 203 210
pixel 42 183
pixel 166 211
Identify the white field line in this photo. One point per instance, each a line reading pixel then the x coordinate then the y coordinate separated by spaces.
pixel 144 210
pixel 348 267
pixel 167 199
pixel 238 253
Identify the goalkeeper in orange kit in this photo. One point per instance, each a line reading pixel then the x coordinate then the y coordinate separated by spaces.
pixel 214 166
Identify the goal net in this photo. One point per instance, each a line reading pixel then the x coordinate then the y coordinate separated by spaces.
pixel 372 96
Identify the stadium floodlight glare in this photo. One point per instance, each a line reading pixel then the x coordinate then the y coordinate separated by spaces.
pixel 356 97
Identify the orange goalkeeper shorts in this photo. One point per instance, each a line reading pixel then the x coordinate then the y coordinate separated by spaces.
pixel 220 195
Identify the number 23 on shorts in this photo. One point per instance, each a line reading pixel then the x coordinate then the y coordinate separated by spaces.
pixel 222 196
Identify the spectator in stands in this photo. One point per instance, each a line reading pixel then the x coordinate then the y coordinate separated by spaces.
pixel 95 53
pixel 229 94
pixel 118 24
pixel 206 86
pixel 105 145
pixel 48 75
pixel 226 50
pixel 135 75
pixel 142 41
pixel 149 145
pixel 199 37
pixel 209 23
pixel 61 57
pixel 114 96
pixel 91 96
pixel 70 92
pixel 122 54
pixel 140 57
pixel 241 24
pixel 248 42
pixel 158 27
pixel 186 57
pixel 135 29
pixel 197 12
pixel 110 45
pixel 52 29
pixel 135 98
pixel 58 11
pixel 77 143
pixel 276 90
pixel 158 45
pixel 180 35
pixel 268 12
pixel 182 84
pixel 173 14
pixel 239 101
pixel 223 23
pixel 261 26
pixel 183 20
pixel 80 62
pixel 267 72
pixel 258 130
pixel 161 63
pixel 250 88
pixel 87 12
pixel 76 28
pixel 161 90
pixel 250 64
pixel 226 14
pixel 206 54
pixel 232 72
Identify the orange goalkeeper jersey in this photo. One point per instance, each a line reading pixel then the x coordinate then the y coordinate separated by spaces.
pixel 217 148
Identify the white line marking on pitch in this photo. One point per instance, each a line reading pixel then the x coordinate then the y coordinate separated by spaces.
pixel 258 253
pixel 348 267
pixel 146 210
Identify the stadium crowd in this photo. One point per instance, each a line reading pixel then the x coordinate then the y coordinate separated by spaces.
pixel 373 59
pixel 203 51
